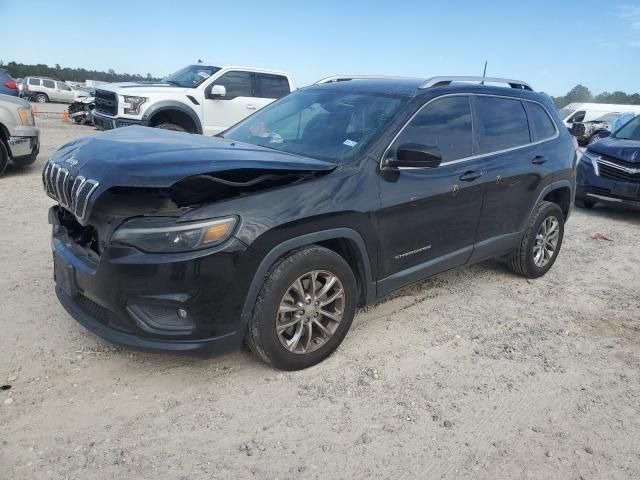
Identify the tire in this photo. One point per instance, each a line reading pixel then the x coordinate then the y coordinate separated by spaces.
pixel 41 98
pixel 171 126
pixel 4 157
pixel 262 336
pixel 524 260
pixel 584 204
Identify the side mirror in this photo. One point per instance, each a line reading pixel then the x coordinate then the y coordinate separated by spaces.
pixel 217 92
pixel 414 155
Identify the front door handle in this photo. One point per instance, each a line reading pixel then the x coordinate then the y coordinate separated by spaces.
pixel 539 160
pixel 251 107
pixel 470 176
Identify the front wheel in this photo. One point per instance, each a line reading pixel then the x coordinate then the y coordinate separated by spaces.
pixel 541 242
pixel 304 310
pixel 171 126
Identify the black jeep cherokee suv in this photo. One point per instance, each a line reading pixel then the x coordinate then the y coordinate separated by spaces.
pixel 278 229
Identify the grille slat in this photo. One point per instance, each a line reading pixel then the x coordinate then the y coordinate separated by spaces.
pixel 106 102
pixel 619 172
pixel 73 194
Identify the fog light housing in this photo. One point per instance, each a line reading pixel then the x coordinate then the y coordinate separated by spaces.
pixel 161 319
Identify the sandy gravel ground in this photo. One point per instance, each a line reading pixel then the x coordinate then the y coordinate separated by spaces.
pixel 474 374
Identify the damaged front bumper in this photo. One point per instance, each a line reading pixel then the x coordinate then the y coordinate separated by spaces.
pixel 182 303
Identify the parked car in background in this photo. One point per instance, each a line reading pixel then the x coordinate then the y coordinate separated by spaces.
pixel 81 111
pixel 591 131
pixel 333 196
pixel 589 112
pixel 196 99
pixel 8 85
pixel 42 90
pixel 19 137
pixel 609 170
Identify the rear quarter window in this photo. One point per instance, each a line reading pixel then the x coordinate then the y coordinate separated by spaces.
pixel 502 124
pixel 541 125
pixel 271 86
pixel 34 81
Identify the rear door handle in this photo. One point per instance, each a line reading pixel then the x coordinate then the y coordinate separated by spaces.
pixel 470 176
pixel 539 160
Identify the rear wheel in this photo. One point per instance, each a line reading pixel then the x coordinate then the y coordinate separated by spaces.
pixel 541 242
pixel 171 126
pixel 41 98
pixel 304 309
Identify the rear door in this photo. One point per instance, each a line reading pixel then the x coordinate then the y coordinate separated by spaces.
pixel 428 217
pixel 49 87
pixel 518 163
pixel 269 87
pixel 221 113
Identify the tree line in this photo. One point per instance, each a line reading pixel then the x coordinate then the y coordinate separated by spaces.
pixel 581 94
pixel 21 70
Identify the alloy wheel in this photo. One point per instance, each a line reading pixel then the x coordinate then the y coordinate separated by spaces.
pixel 546 241
pixel 310 311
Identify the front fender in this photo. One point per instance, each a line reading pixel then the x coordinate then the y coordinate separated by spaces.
pixel 168 105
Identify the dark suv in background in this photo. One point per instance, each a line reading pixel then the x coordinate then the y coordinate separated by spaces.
pixel 609 170
pixel 277 230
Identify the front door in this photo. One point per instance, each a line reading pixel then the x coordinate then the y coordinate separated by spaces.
pixel 64 92
pixel 238 103
pixel 429 216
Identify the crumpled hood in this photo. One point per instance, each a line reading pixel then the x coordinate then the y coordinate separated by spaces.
pixel 143 157
pixel 150 157
pixel 625 150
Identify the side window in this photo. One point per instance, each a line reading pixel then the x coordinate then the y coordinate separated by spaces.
pixel 577 117
pixel 63 86
pixel 444 123
pixel 271 86
pixel 502 124
pixel 238 84
pixel 541 125
pixel 34 81
pixel 48 84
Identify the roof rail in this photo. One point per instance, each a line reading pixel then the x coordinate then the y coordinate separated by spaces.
pixel 443 81
pixel 346 78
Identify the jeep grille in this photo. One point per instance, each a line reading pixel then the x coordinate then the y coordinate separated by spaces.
pixel 73 194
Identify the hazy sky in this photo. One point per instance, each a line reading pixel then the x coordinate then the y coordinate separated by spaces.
pixel 551 44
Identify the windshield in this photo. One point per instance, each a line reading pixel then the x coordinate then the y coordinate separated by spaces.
pixel 629 131
pixel 191 76
pixel 327 124
pixel 565 112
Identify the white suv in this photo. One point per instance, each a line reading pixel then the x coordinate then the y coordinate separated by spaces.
pixel 44 90
pixel 199 98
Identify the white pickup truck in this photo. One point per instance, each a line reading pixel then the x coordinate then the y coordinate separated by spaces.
pixel 200 98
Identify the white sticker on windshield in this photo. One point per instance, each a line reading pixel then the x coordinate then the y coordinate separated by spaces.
pixel 204 74
pixel 350 143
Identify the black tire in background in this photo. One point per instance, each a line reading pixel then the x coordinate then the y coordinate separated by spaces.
pixel 171 126
pixel 584 204
pixel 261 334
pixel 522 260
pixel 4 157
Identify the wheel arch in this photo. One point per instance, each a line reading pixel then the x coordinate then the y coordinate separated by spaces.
pixel 346 242
pixel 171 109
pixel 561 196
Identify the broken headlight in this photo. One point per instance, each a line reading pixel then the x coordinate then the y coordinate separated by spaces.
pixel 148 235
pixel 591 159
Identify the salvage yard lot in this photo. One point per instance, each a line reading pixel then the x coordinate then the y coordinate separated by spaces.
pixel 477 373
